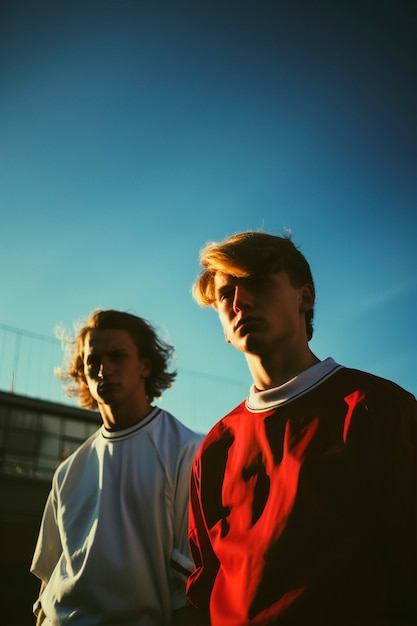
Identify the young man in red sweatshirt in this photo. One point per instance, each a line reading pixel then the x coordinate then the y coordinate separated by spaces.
pixel 303 498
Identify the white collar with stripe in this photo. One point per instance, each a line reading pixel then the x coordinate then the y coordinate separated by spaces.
pixel 292 389
pixel 130 430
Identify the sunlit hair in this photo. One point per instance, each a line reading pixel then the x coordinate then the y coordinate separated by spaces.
pixel 142 334
pixel 248 253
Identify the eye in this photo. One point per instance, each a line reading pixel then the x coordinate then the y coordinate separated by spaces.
pixel 226 295
pixel 119 356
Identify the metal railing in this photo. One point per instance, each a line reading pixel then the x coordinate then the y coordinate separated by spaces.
pixel 27 362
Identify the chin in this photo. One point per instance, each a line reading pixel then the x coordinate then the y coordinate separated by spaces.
pixel 108 398
pixel 251 345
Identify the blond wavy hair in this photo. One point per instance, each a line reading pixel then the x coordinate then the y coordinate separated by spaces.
pixel 143 335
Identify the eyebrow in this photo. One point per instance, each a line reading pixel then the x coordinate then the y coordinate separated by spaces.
pixel 97 353
pixel 229 284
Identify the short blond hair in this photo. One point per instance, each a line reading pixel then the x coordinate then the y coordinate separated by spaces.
pixel 247 253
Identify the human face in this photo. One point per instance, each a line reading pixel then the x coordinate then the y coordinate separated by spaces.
pixel 114 371
pixel 262 313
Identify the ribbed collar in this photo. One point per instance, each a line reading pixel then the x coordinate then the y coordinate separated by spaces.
pixel 126 432
pixel 292 389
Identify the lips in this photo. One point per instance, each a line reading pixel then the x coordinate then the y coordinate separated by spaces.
pixel 104 388
pixel 246 321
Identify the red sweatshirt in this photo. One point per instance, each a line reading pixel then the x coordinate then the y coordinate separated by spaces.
pixel 303 505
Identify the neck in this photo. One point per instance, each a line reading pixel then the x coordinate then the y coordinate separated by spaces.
pixel 275 370
pixel 118 417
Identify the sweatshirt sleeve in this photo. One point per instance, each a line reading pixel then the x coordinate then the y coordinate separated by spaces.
pixel 201 581
pixel 48 547
pixel 181 563
pixel 398 504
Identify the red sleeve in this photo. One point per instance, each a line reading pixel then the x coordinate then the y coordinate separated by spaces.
pixel 201 581
pixel 398 505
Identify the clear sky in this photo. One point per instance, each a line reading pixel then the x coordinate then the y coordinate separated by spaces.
pixel 133 132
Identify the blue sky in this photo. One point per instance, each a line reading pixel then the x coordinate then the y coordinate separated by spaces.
pixel 133 132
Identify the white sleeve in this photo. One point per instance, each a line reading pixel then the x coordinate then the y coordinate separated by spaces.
pixel 48 547
pixel 181 563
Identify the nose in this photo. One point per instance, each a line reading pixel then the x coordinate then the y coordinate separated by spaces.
pixel 241 299
pixel 104 367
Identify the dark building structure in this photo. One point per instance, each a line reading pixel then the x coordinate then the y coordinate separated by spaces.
pixel 35 436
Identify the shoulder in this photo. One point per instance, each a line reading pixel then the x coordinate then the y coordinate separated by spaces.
pixel 389 410
pixel 221 435
pixel 76 458
pixel 372 385
pixel 169 434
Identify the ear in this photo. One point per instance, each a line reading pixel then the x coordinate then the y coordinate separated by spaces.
pixel 226 338
pixel 307 297
pixel 146 367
